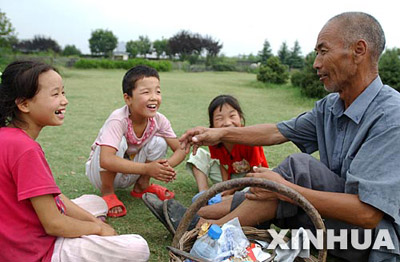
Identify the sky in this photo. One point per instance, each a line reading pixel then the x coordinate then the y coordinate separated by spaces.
pixel 241 26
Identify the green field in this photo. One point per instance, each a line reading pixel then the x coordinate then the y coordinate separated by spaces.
pixel 94 94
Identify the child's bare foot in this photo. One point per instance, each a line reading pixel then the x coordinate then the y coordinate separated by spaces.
pixel 115 210
pixel 115 207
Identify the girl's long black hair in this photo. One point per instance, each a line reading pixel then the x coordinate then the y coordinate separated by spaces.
pixel 20 80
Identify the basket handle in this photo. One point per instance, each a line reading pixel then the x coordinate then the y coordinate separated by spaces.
pixel 253 182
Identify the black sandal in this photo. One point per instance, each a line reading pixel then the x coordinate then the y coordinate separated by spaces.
pixel 156 207
pixel 173 213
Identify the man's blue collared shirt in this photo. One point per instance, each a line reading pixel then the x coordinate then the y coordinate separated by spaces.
pixel 361 144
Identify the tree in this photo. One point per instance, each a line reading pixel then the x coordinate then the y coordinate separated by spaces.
pixel 389 68
pixel 265 53
pixel 161 47
pixel 185 44
pixel 295 59
pixel 190 46
pixel 273 72
pixel 38 44
pixel 43 43
pixel 144 45
pixel 132 47
pixel 70 50
pixel 211 46
pixel 284 54
pixel 308 80
pixel 102 42
pixel 7 37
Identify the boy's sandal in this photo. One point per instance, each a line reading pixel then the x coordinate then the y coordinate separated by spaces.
pixel 113 201
pixel 158 190
pixel 155 205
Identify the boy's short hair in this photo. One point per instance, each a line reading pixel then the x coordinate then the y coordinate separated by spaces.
pixel 134 74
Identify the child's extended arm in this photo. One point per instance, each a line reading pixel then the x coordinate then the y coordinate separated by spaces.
pixel 179 154
pixel 156 169
pixel 57 224
pixel 224 173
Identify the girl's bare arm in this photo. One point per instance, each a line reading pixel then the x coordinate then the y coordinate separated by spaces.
pixel 57 224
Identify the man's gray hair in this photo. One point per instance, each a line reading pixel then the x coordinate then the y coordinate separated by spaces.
pixel 358 25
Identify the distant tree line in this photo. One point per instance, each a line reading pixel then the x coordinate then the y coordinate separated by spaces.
pixel 288 64
pixel 184 45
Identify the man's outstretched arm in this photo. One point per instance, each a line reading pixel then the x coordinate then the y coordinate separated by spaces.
pixel 256 135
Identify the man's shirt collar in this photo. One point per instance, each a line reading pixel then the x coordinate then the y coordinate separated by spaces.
pixel 357 109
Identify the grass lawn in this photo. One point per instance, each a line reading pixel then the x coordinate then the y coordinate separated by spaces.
pixel 94 94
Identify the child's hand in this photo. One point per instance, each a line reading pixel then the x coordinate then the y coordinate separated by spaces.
pixel 166 164
pixel 160 170
pixel 106 230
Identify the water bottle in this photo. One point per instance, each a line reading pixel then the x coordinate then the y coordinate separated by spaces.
pixel 214 200
pixel 207 246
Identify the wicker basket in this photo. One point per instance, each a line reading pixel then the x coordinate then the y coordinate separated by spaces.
pixel 183 239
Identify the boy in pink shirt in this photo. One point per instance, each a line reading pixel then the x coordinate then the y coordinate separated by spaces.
pixel 132 143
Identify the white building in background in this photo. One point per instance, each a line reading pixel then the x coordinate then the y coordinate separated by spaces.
pixel 120 53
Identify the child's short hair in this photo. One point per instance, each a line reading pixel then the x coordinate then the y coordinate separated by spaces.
pixel 219 101
pixel 20 80
pixel 134 74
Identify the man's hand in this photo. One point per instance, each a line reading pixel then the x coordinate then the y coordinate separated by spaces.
pixel 264 194
pixel 229 192
pixel 199 136
pixel 265 173
pixel 160 170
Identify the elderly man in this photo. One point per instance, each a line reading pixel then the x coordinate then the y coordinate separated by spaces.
pixel 356 129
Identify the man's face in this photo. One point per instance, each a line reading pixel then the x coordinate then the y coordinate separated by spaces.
pixel 334 61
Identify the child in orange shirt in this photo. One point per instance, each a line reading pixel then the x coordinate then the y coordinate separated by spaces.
pixel 224 161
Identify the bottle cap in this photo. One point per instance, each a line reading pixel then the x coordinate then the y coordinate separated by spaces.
pixel 214 231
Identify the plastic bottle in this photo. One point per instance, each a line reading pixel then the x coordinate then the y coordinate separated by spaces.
pixel 214 200
pixel 207 246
